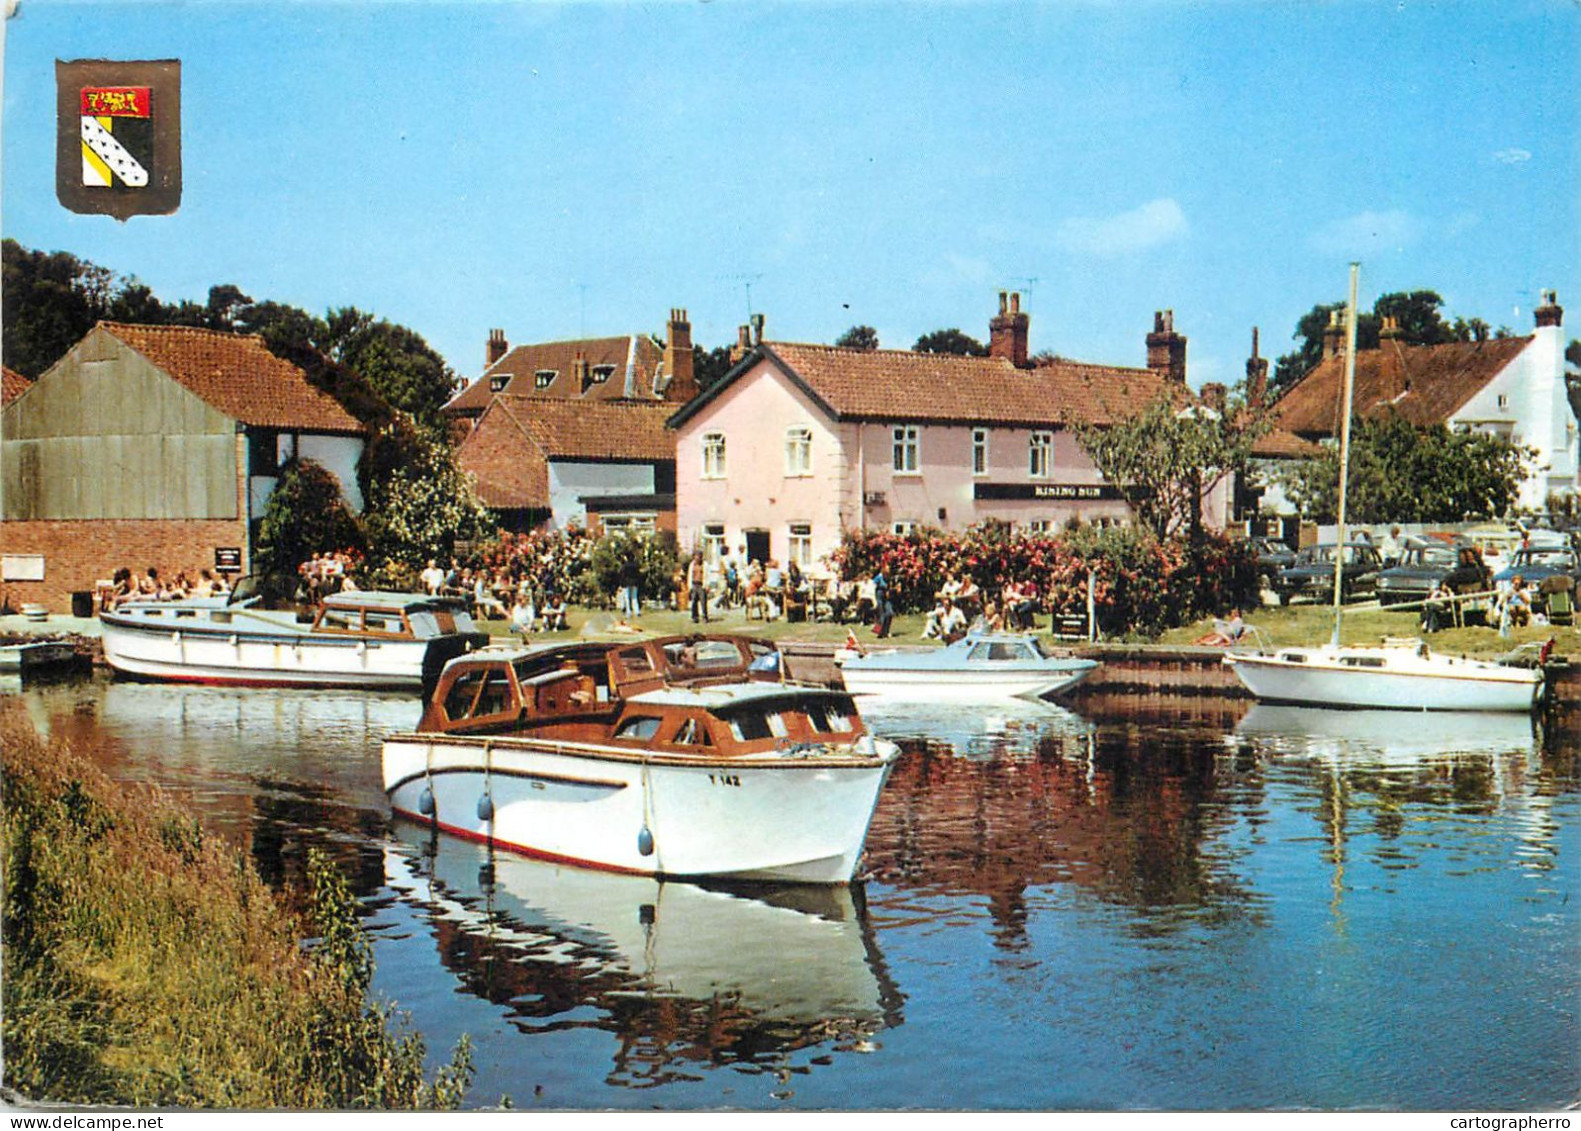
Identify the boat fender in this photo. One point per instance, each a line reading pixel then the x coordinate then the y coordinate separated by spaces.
pixel 645 840
pixel 362 647
pixel 425 802
pixel 486 808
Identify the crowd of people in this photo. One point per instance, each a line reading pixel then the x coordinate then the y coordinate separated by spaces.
pixel 152 586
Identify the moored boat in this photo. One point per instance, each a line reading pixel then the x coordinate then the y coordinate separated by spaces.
pixel 354 639
pixel 526 749
pixel 1396 676
pixel 1399 677
pixel 979 667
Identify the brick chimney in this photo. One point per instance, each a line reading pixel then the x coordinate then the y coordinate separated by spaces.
pixel 1550 313
pixel 496 349
pixel 1334 336
pixel 1166 350
pixel 1256 376
pixel 579 370
pixel 1216 396
pixel 678 359
pixel 757 321
pixel 743 344
pixel 1007 331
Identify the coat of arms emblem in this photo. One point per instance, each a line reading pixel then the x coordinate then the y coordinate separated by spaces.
pixel 119 146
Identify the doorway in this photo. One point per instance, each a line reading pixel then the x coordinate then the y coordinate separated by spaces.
pixel 757 545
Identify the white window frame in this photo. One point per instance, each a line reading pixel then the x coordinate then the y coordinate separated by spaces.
pixel 979 451
pixel 902 527
pixel 907 452
pixel 543 378
pixel 713 455
pixel 798 451
pixel 1040 455
pixel 799 543
pixel 714 542
pixel 633 522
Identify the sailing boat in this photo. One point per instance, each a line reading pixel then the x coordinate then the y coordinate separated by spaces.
pixel 1400 676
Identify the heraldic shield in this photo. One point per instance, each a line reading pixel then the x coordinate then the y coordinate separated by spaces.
pixel 119 145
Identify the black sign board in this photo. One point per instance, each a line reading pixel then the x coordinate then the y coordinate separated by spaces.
pixel 1077 492
pixel 227 559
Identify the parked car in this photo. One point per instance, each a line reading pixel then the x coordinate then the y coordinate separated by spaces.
pixel 1421 568
pixel 1312 574
pixel 1272 556
pixel 1535 563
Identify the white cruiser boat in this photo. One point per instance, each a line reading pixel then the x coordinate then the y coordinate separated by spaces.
pixel 602 760
pixel 980 667
pixel 355 639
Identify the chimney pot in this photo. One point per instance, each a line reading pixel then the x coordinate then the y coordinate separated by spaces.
pixel 1166 350
pixel 679 360
pixel 495 349
pixel 1550 313
pixel 1007 331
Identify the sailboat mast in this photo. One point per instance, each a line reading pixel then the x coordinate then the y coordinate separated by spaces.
pixel 1344 446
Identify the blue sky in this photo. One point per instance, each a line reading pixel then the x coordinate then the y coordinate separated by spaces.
pixel 561 169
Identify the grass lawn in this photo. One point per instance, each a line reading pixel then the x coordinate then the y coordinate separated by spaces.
pixel 1295 624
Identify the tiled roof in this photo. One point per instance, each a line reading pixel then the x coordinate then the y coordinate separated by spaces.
pixel 1279 443
pixel 1423 384
pixel 944 388
pixel 236 374
pixel 12 385
pixel 634 359
pixel 510 449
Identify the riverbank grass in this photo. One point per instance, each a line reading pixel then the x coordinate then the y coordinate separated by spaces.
pixel 147 965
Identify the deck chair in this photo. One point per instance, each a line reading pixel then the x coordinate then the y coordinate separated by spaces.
pixel 1561 607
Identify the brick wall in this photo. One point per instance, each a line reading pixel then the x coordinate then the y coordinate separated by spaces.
pixel 78 553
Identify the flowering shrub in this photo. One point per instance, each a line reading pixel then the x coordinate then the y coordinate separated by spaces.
pixel 1140 584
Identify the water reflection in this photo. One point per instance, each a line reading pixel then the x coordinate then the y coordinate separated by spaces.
pixel 682 974
pixel 1009 728
pixel 1385 736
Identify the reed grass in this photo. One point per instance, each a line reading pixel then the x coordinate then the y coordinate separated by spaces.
pixel 146 964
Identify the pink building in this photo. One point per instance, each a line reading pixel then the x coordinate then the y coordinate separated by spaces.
pixel 800 443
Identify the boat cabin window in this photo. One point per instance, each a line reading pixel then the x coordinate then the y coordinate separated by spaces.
pixel 998 650
pixel 692 732
pixel 341 620
pixel 458 700
pixel 638 727
pixel 749 726
pixel 1293 658
pixel 831 718
pixel 703 654
pixel 1362 661
pixel 495 695
pixel 383 620
pixel 636 660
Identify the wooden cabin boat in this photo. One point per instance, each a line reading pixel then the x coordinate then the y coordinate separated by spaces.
pixel 354 639
pixel 643 758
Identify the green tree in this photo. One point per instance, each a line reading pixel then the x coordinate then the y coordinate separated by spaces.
pixel 858 338
pixel 653 556
pixel 1163 457
pixel 419 500
pixel 951 341
pixel 395 362
pixel 710 366
pixel 48 301
pixel 1403 472
pixel 305 515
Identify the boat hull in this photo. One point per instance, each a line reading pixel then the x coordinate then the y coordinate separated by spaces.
pixel 962 686
pixel 1439 684
pixel 266 659
pixel 784 819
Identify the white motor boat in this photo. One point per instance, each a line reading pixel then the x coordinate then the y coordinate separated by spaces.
pixel 977 668
pixel 355 639
pixel 542 751
pixel 1406 677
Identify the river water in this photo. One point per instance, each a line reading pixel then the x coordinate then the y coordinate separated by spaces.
pixel 1136 904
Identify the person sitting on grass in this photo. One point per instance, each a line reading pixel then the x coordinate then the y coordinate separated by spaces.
pixel 554 613
pixel 946 622
pixel 1225 632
